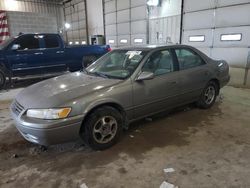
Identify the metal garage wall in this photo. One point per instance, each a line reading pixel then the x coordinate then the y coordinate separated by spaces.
pixel 215 20
pixel 125 22
pixel 75 15
pixel 164 22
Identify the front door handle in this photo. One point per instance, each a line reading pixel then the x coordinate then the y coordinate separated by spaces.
pixel 39 53
pixel 60 52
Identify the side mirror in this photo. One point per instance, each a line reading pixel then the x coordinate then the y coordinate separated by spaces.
pixel 145 76
pixel 15 47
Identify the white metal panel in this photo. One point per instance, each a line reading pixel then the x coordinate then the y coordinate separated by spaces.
pixel 164 30
pixel 199 20
pixel 139 13
pixel 123 4
pixel 123 16
pixel 111 30
pixel 233 16
pixel 208 33
pixel 244 42
pixel 110 6
pixel 110 18
pixel 135 3
pixel 139 27
pixel 236 57
pixel 193 5
pixel 123 28
pixel 231 2
pixel 206 51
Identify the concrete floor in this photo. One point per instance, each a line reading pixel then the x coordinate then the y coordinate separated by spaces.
pixel 207 148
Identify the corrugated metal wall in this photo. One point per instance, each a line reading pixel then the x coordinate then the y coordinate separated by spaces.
pixel 52 7
pixel 29 22
pixel 125 22
pixel 75 15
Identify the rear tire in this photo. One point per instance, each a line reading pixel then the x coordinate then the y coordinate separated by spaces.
pixel 88 60
pixel 2 79
pixel 102 128
pixel 208 96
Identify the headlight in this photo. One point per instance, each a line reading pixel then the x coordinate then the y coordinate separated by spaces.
pixel 49 114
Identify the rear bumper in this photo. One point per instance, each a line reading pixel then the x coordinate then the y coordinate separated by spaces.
pixel 224 81
pixel 58 131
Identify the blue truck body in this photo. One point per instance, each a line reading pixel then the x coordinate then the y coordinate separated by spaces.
pixel 38 54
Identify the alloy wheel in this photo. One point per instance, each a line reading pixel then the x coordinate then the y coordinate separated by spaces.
pixel 105 129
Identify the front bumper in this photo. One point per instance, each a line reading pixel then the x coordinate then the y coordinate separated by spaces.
pixel 48 132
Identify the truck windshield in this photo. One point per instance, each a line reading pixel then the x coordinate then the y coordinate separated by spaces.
pixel 6 43
pixel 118 64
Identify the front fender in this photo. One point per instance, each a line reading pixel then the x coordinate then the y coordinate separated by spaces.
pixel 100 102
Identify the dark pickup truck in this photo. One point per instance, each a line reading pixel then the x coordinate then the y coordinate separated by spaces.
pixel 30 55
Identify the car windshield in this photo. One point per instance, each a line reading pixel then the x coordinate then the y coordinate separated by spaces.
pixel 118 64
pixel 6 43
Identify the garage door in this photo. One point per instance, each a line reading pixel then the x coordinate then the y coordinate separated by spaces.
pixel 125 22
pixel 75 14
pixel 221 29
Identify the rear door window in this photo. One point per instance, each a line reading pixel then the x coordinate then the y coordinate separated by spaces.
pixel 51 41
pixel 188 59
pixel 27 42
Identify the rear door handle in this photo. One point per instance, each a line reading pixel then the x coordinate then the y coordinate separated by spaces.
pixel 39 53
pixel 60 52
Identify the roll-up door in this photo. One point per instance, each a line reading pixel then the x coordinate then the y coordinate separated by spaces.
pixel 125 22
pixel 221 29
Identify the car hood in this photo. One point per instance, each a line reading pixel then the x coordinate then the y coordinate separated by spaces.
pixel 57 91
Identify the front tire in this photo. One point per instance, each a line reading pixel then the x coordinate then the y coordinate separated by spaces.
pixel 208 96
pixel 2 79
pixel 102 128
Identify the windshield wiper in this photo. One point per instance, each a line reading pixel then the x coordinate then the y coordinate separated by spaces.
pixel 84 70
pixel 100 74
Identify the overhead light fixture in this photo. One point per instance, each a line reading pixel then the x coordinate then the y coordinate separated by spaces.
pixel 67 25
pixel 11 5
pixel 153 2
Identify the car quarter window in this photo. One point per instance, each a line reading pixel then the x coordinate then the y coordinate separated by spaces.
pixel 188 59
pixel 160 62
pixel 51 41
pixel 27 42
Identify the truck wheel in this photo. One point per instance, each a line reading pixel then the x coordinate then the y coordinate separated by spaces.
pixel 102 128
pixel 2 79
pixel 88 61
pixel 208 96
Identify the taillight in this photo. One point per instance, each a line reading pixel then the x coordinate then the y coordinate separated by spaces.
pixel 109 49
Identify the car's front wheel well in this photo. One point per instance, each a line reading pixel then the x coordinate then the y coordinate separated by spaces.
pixel 113 105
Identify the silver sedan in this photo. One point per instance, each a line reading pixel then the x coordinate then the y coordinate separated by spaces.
pixel 124 85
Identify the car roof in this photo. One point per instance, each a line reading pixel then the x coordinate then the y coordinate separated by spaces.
pixel 151 47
